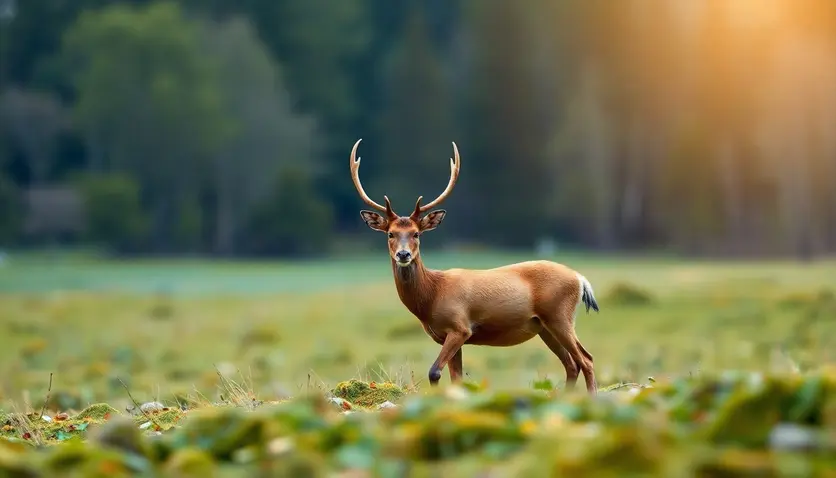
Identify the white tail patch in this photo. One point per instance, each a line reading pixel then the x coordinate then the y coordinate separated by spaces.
pixel 586 297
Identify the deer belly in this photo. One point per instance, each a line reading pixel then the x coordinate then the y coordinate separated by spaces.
pixel 505 333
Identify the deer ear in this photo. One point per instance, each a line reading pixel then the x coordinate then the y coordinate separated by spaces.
pixel 374 220
pixel 432 220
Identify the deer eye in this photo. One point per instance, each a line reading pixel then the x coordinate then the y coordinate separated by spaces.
pixel 416 235
pixel 391 235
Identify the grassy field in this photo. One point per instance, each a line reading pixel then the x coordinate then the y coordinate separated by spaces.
pixel 177 330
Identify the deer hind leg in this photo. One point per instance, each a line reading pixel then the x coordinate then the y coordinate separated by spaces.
pixel 560 351
pixel 561 326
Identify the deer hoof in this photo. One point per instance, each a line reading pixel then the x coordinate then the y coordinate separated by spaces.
pixel 435 376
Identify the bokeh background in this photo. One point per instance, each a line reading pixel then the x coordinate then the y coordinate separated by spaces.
pixel 175 189
pixel 223 128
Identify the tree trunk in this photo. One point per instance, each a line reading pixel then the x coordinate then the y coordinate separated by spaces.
pixel 224 225
pixel 597 147
pixel 730 181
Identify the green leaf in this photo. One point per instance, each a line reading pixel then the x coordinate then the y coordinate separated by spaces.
pixel 807 400
pixel 544 384
pixel 358 455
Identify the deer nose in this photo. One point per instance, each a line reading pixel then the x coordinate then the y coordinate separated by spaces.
pixel 403 256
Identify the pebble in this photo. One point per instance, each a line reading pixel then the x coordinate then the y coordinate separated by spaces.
pixel 151 407
pixel 340 402
pixel 278 446
pixel 788 436
pixel 456 392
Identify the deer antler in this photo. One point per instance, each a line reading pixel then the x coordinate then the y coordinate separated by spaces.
pixel 455 164
pixel 355 176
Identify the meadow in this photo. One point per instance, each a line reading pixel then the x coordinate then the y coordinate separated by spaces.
pixel 181 332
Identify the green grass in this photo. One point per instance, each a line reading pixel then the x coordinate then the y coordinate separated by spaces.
pixel 166 329
pixel 165 326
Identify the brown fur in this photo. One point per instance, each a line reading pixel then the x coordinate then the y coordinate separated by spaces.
pixel 498 307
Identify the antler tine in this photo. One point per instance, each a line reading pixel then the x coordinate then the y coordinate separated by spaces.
pixel 416 213
pixel 390 213
pixel 355 176
pixel 455 164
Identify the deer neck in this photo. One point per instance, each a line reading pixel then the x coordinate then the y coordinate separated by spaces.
pixel 417 287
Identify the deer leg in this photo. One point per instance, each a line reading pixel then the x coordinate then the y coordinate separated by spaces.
pixel 451 348
pixel 564 332
pixel 569 364
pixel 456 367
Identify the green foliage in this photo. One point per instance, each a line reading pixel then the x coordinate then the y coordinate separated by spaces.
pixel 113 211
pixel 687 185
pixel 172 119
pixel 97 411
pixel 616 139
pixel 718 387
pixel 544 384
pixel 417 121
pixel 627 294
pixel 10 211
pixel 188 229
pixel 505 136
pixel 368 394
pixel 33 120
pixel 268 133
pixel 293 220
pixel 515 433
pixel 252 315
pixel 328 51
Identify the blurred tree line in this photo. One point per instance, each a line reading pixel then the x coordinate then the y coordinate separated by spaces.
pixel 224 127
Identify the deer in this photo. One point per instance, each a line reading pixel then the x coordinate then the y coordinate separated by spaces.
pixel 499 307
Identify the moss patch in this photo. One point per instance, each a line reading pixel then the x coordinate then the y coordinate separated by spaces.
pixel 97 412
pixel 684 425
pixel 626 294
pixel 31 428
pixel 162 419
pixel 368 394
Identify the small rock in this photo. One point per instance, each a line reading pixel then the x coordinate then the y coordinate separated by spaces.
pixel 788 436
pixel 341 403
pixel 145 425
pixel 280 446
pixel 151 407
pixel 456 392
pixel 386 404
pixel 46 418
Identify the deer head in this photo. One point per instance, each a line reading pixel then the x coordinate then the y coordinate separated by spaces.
pixel 403 232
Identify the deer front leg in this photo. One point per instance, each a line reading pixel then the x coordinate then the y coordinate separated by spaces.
pixel 451 348
pixel 456 367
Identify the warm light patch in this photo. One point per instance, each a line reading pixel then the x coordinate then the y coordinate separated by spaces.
pixel 756 13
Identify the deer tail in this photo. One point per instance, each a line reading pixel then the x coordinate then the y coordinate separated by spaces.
pixel 587 295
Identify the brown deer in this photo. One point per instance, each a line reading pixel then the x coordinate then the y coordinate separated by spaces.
pixel 497 307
